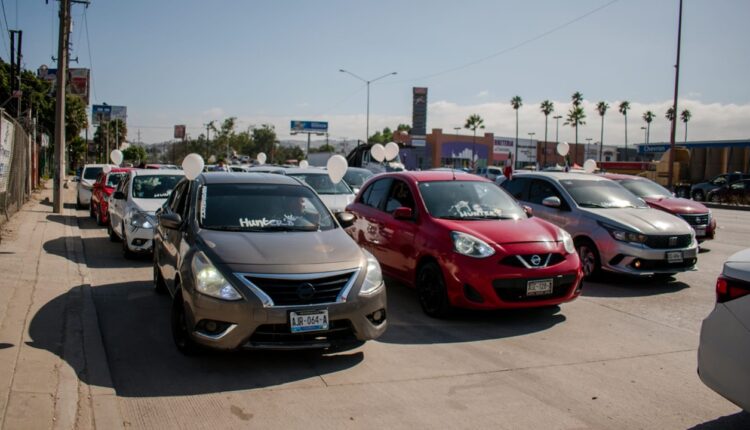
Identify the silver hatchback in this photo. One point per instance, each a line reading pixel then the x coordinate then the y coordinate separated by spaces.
pixel 613 229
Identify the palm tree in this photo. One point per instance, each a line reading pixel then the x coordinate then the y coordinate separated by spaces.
pixel 685 117
pixel 576 117
pixel 624 108
pixel 577 98
pixel 547 107
pixel 474 122
pixel 601 107
pixel 648 116
pixel 516 102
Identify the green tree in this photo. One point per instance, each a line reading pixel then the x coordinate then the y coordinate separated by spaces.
pixel 516 102
pixel 601 107
pixel 577 98
pixel 648 116
pixel 685 117
pixel 289 154
pixel 624 108
pixel 135 154
pixel 404 127
pixel 669 115
pixel 547 107
pixel 473 123
pixel 324 148
pixel 265 141
pixel 77 149
pixel 575 117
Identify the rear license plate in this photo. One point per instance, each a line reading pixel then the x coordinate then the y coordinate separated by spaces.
pixel 700 231
pixel 674 257
pixel 306 321
pixel 538 288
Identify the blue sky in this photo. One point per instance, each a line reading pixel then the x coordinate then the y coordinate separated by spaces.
pixel 192 61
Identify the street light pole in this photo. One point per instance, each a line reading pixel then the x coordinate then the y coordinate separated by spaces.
pixel 457 129
pixel 588 146
pixel 368 82
pixel 557 136
pixel 645 135
pixel 531 136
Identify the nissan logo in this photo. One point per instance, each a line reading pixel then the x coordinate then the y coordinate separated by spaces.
pixel 673 241
pixel 536 260
pixel 306 291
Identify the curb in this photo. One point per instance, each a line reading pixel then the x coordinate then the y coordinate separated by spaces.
pixel 727 207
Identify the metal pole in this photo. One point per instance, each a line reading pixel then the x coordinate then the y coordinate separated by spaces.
pixel 557 132
pixel 62 66
pixel 308 146
pixel 674 104
pixel 19 57
pixel 367 130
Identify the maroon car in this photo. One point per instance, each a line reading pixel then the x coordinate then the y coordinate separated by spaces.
pixel 103 188
pixel 658 197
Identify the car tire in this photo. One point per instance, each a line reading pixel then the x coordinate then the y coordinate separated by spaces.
pixel 698 195
pixel 433 296
pixel 111 232
pixel 126 252
pixel 79 206
pixel 714 198
pixel 98 217
pixel 180 335
pixel 589 255
pixel 160 286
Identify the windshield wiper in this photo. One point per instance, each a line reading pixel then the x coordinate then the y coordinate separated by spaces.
pixel 289 228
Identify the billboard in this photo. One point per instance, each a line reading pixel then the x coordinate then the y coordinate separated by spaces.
pixel 100 114
pixel 502 146
pixel 318 127
pixel 77 83
pixel 650 149
pixel 419 111
pixel 119 112
pixel 179 131
pixel 6 152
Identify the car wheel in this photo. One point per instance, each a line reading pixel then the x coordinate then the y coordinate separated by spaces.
pixel 180 333
pixel 160 286
pixel 126 252
pixel 111 232
pixel 98 216
pixel 79 206
pixel 431 291
pixel 698 195
pixel 714 198
pixel 589 256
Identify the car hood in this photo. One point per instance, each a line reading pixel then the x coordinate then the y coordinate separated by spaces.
pixel 676 205
pixel 296 249
pixel 148 205
pixel 738 266
pixel 337 202
pixel 646 220
pixel 504 232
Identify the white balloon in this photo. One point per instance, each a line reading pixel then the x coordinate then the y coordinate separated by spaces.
pixel 116 156
pixel 337 166
pixel 563 148
pixel 391 150
pixel 192 165
pixel 378 152
pixel 589 165
pixel 304 164
pixel 261 158
pixel 107 169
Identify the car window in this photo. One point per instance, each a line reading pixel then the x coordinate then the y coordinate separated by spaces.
pixel 91 173
pixel 356 178
pixel 468 200
pixel 400 196
pixel 516 187
pixel 738 186
pixel 539 189
pixel 377 192
pixel 174 202
pixel 720 180
pixel 322 184
pixel 262 208
pixel 154 186
pixel 645 188
pixel 601 194
pixel 113 179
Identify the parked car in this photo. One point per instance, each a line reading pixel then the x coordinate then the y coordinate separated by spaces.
pixel 258 261
pixel 87 177
pixel 133 204
pixel 103 188
pixel 613 229
pixel 658 197
pixel 490 172
pixel 736 192
pixel 355 177
pixel 161 166
pixel 724 346
pixel 335 196
pixel 463 242
pixel 267 168
pixel 700 191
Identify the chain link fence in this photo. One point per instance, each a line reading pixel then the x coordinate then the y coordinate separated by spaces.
pixel 17 167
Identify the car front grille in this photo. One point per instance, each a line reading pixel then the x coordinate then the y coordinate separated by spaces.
pixel 269 334
pixel 528 260
pixel 669 241
pixel 514 290
pixel 696 219
pixel 302 289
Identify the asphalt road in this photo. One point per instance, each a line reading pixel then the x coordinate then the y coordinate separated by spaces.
pixel 621 356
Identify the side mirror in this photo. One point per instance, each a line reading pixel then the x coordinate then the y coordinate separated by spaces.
pixel 118 195
pixel 528 210
pixel 552 202
pixel 346 219
pixel 170 220
pixel 403 213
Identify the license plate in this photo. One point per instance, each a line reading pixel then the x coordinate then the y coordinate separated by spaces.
pixel 306 321
pixel 700 232
pixel 538 288
pixel 674 257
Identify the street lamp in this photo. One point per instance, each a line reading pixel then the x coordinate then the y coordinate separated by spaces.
pixel 531 136
pixel 645 134
pixel 368 82
pixel 557 136
pixel 588 146
pixel 457 129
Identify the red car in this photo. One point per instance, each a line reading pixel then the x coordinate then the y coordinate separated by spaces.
pixel 103 188
pixel 696 214
pixel 463 242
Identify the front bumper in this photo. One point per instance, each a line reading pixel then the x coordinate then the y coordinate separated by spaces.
pixel 139 239
pixel 84 194
pixel 640 260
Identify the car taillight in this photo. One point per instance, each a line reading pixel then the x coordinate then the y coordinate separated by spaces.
pixel 728 289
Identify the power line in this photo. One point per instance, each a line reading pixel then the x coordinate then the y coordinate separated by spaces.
pixel 7 29
pixel 91 58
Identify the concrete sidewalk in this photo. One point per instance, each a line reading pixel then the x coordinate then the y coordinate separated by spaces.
pixel 49 333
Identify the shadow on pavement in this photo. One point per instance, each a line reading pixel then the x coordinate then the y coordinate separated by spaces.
pixel 625 286
pixel 143 361
pixel 48 202
pixel 97 245
pixel 738 421
pixel 409 325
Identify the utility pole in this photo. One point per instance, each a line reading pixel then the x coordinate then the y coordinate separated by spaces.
pixel 62 72
pixel 674 104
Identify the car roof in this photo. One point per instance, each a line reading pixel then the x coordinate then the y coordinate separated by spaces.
pixel 620 176
pixel 246 178
pixel 434 175
pixel 309 170
pixel 559 176
pixel 121 169
pixel 357 169
pixel 156 172
pixel 98 165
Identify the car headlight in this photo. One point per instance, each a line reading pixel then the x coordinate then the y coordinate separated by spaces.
pixel 567 241
pixel 624 235
pixel 469 245
pixel 142 220
pixel 209 281
pixel 373 277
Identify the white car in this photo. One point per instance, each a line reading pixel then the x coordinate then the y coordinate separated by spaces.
pixel 724 350
pixel 86 182
pixel 335 196
pixel 132 207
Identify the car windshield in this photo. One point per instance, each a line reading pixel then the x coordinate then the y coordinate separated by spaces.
pixel 154 186
pixel 644 188
pixel 355 178
pixel 262 207
pixel 468 200
pixel 322 184
pixel 114 178
pixel 601 194
pixel 92 173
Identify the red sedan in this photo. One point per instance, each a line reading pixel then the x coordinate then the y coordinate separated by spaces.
pixel 463 242
pixel 696 214
pixel 103 188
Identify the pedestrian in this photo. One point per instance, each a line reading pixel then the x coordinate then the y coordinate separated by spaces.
pixel 508 170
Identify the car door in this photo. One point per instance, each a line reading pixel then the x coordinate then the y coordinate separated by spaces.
pixel 170 239
pixel 396 236
pixel 517 187
pixel 371 216
pixel 540 189
pixel 116 206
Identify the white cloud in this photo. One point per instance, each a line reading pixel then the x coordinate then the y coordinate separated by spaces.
pixel 302 104
pixel 216 113
pixel 483 94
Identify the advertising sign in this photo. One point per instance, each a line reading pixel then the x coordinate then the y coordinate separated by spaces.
pixel 77 82
pixel 502 146
pixel 100 114
pixel 419 111
pixel 650 149
pixel 318 127
pixel 179 131
pixel 7 130
pixel 119 112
